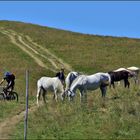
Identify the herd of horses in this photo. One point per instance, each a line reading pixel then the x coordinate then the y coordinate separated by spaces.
pixel 75 80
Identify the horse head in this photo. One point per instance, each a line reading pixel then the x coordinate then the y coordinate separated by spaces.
pixel 70 94
pixel 132 74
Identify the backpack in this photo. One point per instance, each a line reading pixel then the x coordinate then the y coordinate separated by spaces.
pixel 13 76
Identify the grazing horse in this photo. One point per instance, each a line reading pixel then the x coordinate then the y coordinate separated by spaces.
pixel 47 83
pixel 121 69
pixel 70 78
pixel 120 75
pixel 89 82
pixel 136 71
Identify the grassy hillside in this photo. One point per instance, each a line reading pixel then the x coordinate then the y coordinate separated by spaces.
pixel 85 53
pixel 102 53
pixel 14 60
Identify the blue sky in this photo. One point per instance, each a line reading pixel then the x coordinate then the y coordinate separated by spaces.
pixel 114 18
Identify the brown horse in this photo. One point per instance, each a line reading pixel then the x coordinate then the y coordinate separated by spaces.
pixel 120 75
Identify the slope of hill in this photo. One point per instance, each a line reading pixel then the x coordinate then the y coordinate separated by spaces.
pixel 43 51
pixel 102 53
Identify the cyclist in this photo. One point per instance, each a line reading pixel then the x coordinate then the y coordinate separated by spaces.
pixel 10 79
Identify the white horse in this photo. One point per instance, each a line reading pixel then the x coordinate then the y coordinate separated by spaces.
pixel 47 83
pixel 89 82
pixel 136 71
pixel 70 78
pixel 121 69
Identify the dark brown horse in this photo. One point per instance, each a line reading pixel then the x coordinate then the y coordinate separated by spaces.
pixel 120 75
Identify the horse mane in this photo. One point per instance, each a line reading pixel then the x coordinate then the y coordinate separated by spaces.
pixel 75 80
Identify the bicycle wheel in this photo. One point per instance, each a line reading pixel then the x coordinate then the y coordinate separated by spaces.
pixel 2 96
pixel 14 96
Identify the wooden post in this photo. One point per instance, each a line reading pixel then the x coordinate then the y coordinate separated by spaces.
pixel 26 112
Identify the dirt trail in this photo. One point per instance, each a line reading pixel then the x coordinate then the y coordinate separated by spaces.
pixel 8 125
pixel 27 45
pixel 23 47
pixel 53 57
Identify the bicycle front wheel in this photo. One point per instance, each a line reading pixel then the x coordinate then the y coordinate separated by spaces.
pixel 2 96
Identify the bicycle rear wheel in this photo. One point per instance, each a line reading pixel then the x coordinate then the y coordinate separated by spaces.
pixel 14 96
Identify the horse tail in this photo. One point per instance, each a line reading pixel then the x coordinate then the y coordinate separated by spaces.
pixel 106 79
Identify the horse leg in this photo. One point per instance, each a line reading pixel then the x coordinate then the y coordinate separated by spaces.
pixel 62 95
pixel 43 95
pixel 119 82
pixel 126 83
pixel 81 93
pixel 55 95
pixel 38 95
pixel 136 79
pixel 85 95
pixel 103 91
pixel 113 84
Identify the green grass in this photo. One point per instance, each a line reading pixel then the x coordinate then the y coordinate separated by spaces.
pixel 75 120
pixel 16 61
pixel 87 54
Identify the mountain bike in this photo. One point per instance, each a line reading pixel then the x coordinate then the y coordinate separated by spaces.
pixel 8 95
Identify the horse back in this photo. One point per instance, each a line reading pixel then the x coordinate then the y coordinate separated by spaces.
pixel 48 82
pixel 120 75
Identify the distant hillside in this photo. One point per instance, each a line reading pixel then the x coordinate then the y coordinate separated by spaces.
pixel 87 53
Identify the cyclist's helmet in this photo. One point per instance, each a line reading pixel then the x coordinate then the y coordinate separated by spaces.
pixel 7 73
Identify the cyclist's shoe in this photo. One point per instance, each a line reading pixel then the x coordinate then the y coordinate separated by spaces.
pixel 7 97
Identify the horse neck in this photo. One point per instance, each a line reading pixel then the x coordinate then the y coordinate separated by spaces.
pixel 60 85
pixel 70 78
pixel 67 85
pixel 73 86
pixel 68 82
